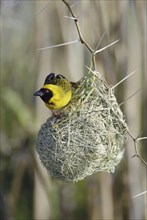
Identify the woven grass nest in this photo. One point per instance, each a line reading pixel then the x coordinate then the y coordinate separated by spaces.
pixel 88 136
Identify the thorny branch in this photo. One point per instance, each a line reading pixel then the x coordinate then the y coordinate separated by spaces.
pixel 135 140
pixel 78 27
pixel 82 40
pixel 93 53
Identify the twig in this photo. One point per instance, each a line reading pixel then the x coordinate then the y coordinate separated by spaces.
pixel 143 161
pixel 78 27
pixel 81 38
pixel 135 140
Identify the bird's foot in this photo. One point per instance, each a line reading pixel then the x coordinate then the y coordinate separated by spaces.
pixel 74 84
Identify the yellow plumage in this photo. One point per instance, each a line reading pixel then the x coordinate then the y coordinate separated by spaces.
pixel 56 92
pixel 60 98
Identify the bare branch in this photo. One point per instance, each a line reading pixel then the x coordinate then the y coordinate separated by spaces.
pixel 78 27
pixel 136 149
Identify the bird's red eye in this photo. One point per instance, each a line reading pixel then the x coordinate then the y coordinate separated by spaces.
pixel 46 90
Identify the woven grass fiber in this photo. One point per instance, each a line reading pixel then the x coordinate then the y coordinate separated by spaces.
pixel 88 136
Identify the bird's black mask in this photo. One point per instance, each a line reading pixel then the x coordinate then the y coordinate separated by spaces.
pixel 45 94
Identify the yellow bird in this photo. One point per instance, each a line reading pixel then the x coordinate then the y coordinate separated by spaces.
pixel 56 92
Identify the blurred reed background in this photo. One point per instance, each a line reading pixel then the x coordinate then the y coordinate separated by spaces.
pixel 26 190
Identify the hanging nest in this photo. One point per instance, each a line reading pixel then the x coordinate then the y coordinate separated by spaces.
pixel 88 136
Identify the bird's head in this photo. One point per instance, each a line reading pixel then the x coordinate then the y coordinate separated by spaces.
pixel 45 94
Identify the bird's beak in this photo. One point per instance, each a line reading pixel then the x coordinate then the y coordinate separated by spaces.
pixel 38 93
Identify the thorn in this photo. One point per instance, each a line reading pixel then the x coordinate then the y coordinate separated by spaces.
pixel 131 96
pixel 72 18
pixel 59 45
pixel 142 138
pixel 135 155
pixel 97 51
pixel 123 79
pixel 139 194
pixel 100 41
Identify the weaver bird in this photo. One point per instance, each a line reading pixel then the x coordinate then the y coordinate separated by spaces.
pixel 56 92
